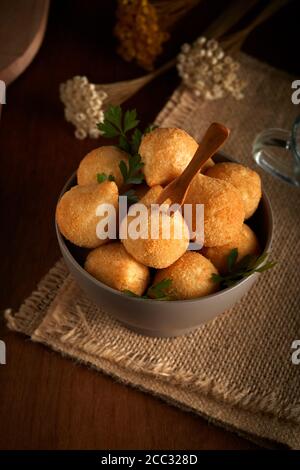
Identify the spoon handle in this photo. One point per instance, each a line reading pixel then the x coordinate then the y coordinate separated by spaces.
pixel 213 139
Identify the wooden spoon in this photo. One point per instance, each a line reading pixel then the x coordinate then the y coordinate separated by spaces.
pixel 213 139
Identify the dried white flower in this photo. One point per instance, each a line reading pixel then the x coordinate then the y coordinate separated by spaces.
pixel 219 54
pixel 102 94
pixel 212 44
pixel 201 40
pixel 94 133
pixel 208 71
pixel 80 133
pixel 80 117
pixel 83 105
pixel 185 47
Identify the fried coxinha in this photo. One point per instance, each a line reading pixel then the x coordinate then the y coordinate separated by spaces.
pixel 230 193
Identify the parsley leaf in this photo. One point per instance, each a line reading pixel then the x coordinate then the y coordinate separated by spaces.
pixel 231 259
pixel 124 127
pixel 132 173
pixel 131 294
pixel 242 269
pixel 123 169
pixel 113 114
pixel 115 125
pixel 131 196
pixel 124 144
pixel 135 141
pixel 107 129
pixel 156 292
pixel 130 120
pixel 104 177
pixel 150 128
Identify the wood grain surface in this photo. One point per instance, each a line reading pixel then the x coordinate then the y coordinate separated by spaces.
pixel 47 401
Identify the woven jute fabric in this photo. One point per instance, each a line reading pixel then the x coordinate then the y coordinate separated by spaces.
pixel 236 370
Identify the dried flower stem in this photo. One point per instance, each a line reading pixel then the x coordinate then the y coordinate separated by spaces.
pixel 235 41
pixel 229 18
pixel 119 92
pixel 171 11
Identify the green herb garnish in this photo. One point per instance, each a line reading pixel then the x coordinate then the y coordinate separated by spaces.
pixel 150 128
pixel 132 294
pixel 157 291
pixel 154 292
pixel 132 174
pixel 124 127
pixel 135 141
pixel 114 124
pixel 131 196
pixel 104 177
pixel 231 259
pixel 244 268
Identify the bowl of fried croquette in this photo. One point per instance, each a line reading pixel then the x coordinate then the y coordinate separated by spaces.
pixel 236 216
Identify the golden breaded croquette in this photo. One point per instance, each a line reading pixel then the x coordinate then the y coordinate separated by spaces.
pixel 246 243
pixel 105 160
pixel 223 209
pixel 191 277
pixel 112 265
pixel 245 180
pixel 76 212
pixel 166 152
pixel 159 251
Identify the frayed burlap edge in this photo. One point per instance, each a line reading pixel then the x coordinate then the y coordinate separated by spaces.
pixel 32 311
pixel 74 330
pixel 228 407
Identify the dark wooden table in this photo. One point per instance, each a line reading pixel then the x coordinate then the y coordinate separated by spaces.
pixel 47 401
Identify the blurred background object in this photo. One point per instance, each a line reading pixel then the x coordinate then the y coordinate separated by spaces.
pixel 22 29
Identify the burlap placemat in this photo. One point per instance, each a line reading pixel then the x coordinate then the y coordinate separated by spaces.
pixel 236 370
